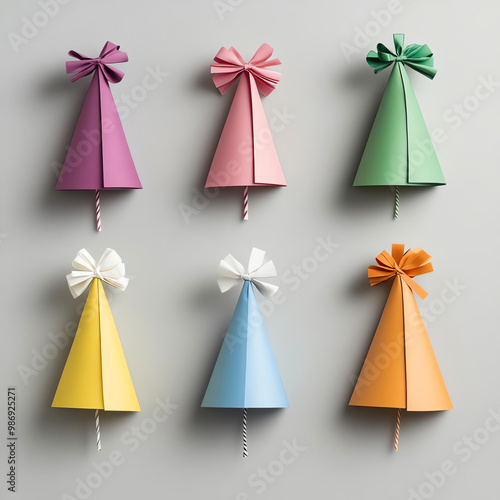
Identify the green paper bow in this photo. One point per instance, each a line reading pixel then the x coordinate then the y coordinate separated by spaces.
pixel 418 57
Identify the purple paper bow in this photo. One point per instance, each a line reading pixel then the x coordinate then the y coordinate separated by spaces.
pixel 110 53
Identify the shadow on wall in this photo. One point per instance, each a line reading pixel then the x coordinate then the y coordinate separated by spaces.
pixel 202 83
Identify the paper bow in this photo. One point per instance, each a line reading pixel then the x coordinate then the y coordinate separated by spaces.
pixel 230 65
pixel 110 53
pixel 418 57
pixel 109 269
pixel 407 265
pixel 231 272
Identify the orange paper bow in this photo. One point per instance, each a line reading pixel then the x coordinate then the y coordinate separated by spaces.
pixel 407 265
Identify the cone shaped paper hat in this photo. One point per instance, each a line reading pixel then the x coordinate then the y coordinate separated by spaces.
pixel 96 374
pixel 245 154
pixel 399 150
pixel 400 369
pixel 245 374
pixel 98 157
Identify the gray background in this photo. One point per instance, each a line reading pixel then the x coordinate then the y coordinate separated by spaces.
pixel 172 317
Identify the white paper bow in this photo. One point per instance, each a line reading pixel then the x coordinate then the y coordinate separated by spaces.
pixel 109 269
pixel 231 272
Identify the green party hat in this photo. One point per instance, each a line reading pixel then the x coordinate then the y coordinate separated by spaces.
pixel 399 150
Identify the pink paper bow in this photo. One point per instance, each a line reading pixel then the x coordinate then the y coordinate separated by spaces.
pixel 230 65
pixel 110 53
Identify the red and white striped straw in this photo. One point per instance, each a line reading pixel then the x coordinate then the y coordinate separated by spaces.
pixel 398 425
pixel 245 203
pixel 98 210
